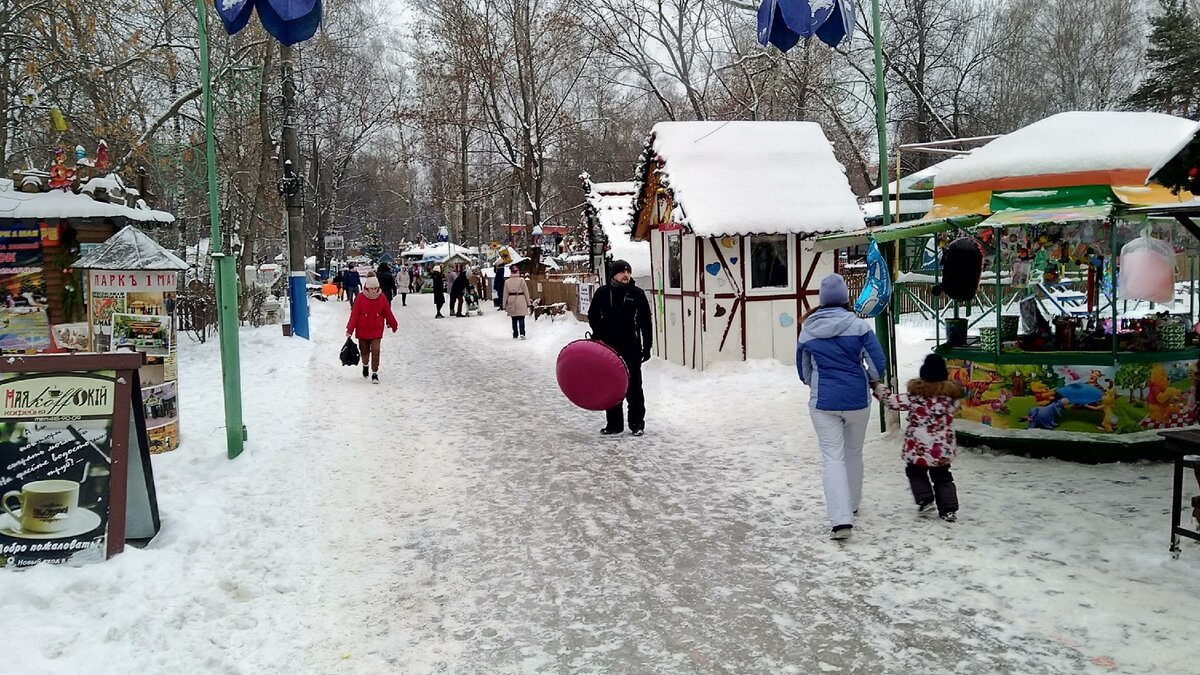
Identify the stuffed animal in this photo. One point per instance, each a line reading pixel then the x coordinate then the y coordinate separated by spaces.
pixel 1107 407
pixel 1046 416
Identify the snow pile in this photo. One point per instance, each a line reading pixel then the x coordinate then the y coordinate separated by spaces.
pixel 462 517
pixel 755 178
pixel 1072 142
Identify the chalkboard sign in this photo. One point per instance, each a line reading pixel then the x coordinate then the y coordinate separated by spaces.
pixel 75 473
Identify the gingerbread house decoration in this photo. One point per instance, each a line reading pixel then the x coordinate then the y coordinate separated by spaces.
pixel 730 210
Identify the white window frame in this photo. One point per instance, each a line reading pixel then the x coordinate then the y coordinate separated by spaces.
pixel 667 236
pixel 747 247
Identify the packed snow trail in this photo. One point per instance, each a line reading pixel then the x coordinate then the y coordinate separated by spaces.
pixel 463 517
pixel 515 538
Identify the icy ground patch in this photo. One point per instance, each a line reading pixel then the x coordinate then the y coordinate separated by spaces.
pixel 462 517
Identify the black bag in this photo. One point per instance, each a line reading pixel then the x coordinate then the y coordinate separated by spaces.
pixel 349 353
pixel 962 265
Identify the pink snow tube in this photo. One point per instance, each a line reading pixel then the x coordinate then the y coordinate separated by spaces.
pixel 592 375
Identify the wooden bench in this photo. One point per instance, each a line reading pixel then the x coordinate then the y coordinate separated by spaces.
pixel 552 310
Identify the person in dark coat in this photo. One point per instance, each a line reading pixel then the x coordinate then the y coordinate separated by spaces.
pixel 620 317
pixel 387 282
pixel 439 289
pixel 458 291
pixel 337 281
pixel 352 282
pixel 498 287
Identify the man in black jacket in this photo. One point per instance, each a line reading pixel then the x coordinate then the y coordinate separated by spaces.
pixel 620 317
pixel 458 291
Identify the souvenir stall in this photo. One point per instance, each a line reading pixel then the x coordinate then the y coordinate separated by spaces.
pixel 47 219
pixel 731 210
pixel 1066 320
pixel 131 299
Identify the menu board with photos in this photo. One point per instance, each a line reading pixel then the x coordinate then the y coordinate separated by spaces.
pixel 135 310
pixel 24 322
pixel 75 475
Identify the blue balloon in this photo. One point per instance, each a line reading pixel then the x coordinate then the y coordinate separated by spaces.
pixel 235 14
pixel 877 292
pixel 783 22
pixel 773 29
pixel 290 21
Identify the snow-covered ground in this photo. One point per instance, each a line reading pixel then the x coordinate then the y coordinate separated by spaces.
pixel 462 517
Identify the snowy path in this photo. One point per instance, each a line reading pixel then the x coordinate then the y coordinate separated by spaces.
pixel 462 517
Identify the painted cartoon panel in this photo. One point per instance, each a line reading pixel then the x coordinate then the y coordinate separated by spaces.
pixel 1124 399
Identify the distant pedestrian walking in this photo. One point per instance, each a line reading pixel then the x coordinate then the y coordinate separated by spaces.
pixel 439 289
pixel 458 291
pixel 404 285
pixel 516 302
pixel 929 442
pixel 368 315
pixel 352 282
pixel 620 317
pixel 498 287
pixel 387 282
pixel 833 348
pixel 337 281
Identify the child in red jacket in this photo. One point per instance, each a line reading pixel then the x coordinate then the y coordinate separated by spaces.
pixel 929 443
pixel 367 317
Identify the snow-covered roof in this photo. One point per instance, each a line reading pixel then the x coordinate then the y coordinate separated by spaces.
pixel 1170 154
pixel 614 204
pixel 57 205
pixel 437 251
pixel 755 178
pixel 130 249
pixel 1072 142
pixel 907 207
pixel 917 181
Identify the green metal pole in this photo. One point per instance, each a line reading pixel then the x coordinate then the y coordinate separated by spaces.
pixel 883 322
pixel 224 271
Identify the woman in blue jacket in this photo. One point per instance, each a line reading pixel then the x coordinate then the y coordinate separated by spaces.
pixel 839 358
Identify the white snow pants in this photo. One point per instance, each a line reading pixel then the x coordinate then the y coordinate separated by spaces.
pixel 840 435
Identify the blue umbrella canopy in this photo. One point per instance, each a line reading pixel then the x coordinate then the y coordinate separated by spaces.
pixel 783 22
pixel 289 21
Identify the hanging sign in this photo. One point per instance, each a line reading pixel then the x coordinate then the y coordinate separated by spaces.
pixel 75 475
pixel 335 242
pixel 585 298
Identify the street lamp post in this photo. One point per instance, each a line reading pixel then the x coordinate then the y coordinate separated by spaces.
pixel 225 271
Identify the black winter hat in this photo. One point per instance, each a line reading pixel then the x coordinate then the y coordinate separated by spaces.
pixel 618 266
pixel 934 369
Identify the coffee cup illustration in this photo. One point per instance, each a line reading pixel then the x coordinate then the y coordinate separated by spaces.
pixel 46 505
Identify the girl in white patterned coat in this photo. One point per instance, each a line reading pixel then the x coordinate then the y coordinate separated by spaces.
pixel 929 444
